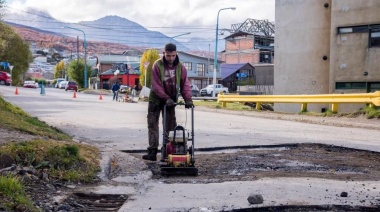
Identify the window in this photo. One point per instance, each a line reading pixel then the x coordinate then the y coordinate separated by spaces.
pixel 188 66
pixel 353 29
pixel 374 36
pixel 201 69
pixel 350 85
pixel 211 68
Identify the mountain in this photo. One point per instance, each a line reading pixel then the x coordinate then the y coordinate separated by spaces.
pixel 111 29
pixel 47 39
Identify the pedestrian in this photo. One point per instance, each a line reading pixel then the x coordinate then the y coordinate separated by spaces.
pixel 115 90
pixel 169 78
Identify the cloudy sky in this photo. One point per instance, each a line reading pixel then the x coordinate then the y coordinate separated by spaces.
pixel 197 16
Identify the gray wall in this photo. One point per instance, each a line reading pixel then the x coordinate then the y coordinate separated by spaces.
pixel 302 39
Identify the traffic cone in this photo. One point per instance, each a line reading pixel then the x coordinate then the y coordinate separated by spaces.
pixel 100 96
pixel 75 94
pixel 16 91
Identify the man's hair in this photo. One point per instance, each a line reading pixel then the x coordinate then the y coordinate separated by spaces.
pixel 170 47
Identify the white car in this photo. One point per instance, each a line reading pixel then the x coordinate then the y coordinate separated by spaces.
pixel 30 84
pixel 58 81
pixel 62 84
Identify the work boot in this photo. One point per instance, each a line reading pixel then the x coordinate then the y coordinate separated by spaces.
pixel 152 155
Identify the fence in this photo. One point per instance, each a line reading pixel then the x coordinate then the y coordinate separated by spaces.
pixel 334 99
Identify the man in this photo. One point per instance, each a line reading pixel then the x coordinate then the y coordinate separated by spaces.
pixel 169 77
pixel 115 90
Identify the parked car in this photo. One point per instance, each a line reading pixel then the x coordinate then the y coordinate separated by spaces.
pixel 124 89
pixel 207 91
pixel 62 84
pixel 5 78
pixel 30 84
pixel 70 85
pixel 58 81
pixel 194 90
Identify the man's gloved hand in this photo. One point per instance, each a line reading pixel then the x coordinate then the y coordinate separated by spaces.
pixel 189 104
pixel 170 103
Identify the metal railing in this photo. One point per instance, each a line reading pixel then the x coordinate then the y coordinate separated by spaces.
pixel 373 99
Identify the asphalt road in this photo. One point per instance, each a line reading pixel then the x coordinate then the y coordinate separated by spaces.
pixel 122 126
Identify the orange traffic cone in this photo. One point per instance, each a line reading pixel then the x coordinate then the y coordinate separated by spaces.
pixel 16 91
pixel 100 96
pixel 75 94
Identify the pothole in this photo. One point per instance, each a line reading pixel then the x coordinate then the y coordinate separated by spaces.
pixel 295 160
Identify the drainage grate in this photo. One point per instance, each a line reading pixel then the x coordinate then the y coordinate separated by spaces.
pixel 97 202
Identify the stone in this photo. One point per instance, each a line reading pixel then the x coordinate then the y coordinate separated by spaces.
pixel 6 161
pixel 255 199
pixel 343 194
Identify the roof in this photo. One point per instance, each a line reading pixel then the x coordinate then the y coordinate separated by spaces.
pixel 196 56
pixel 228 69
pixel 237 34
pixel 117 59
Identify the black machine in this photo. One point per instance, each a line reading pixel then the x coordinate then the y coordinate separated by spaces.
pixel 177 157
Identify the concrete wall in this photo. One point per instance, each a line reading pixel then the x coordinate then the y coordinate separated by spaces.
pixel 302 40
pixel 350 55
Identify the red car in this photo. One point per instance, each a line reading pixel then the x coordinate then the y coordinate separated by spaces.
pixel 5 78
pixel 71 86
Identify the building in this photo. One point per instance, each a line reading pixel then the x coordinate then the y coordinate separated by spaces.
pixel 243 47
pixel 237 74
pixel 200 69
pixel 326 46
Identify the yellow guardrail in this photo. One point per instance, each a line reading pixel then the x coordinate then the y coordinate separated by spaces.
pixel 334 99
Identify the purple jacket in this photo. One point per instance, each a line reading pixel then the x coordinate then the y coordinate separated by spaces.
pixel 165 89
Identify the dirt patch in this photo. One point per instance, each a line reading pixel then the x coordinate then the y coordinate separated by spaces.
pixel 13 135
pixel 298 160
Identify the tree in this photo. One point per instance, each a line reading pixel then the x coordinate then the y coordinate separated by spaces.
pixel 75 70
pixel 60 70
pixel 15 51
pixel 150 56
pixel 2 3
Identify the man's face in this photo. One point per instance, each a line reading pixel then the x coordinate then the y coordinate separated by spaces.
pixel 170 56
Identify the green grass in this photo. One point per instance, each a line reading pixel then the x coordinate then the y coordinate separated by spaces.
pixel 13 196
pixel 68 161
pixel 217 105
pixel 13 118
pixel 51 149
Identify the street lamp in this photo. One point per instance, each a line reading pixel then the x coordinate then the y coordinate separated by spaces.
pixel 85 53
pixel 187 33
pixel 216 47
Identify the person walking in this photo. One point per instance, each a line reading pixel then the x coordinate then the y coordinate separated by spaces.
pixel 169 78
pixel 115 90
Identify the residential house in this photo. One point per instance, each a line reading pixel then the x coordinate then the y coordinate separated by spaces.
pixel 200 69
pixel 236 74
pixel 106 66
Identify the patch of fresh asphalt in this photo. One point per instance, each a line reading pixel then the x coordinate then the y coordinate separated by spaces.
pixel 109 126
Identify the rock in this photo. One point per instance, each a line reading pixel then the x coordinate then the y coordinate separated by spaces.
pixel 343 194
pixel 255 199
pixel 6 161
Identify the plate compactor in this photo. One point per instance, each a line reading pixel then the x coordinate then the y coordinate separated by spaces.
pixel 177 157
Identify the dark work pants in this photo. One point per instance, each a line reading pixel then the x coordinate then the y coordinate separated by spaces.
pixel 153 124
pixel 115 95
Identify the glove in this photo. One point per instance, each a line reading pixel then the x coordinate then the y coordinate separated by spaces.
pixel 170 103
pixel 189 104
